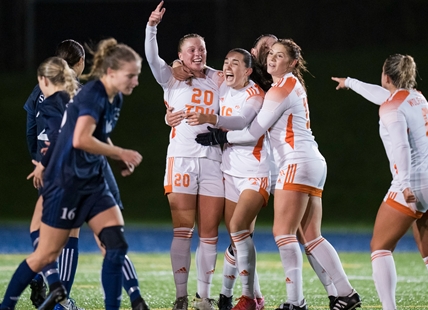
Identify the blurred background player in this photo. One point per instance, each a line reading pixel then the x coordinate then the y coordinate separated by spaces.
pixel 82 193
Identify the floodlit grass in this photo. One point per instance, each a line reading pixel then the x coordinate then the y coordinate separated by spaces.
pixel 157 284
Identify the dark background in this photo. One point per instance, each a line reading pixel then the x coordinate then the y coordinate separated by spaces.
pixel 338 38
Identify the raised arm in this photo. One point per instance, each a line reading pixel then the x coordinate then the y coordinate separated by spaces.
pixel 161 71
pixel 372 92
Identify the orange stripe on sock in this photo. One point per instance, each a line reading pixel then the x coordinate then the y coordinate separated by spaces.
pixel 383 254
pixel 312 246
pixel 287 240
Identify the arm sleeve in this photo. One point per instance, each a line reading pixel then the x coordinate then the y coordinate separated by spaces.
pixel 31 127
pixel 161 71
pixel 373 93
pixel 53 118
pixel 396 125
pixel 247 114
pixel 267 116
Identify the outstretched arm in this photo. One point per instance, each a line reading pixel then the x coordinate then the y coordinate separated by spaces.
pixel 372 92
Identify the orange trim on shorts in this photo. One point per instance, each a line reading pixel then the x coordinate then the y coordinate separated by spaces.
pixel 168 186
pixel 313 191
pixel 403 209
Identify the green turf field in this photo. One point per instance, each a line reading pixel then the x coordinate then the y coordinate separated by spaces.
pixel 157 285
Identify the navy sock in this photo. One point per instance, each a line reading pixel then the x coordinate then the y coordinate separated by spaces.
pixel 130 279
pixel 20 280
pixel 34 235
pixel 68 263
pixel 51 274
pixel 111 278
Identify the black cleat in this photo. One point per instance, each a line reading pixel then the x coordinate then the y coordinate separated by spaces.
pixel 38 291
pixel 332 300
pixel 288 306
pixel 140 304
pixel 225 303
pixel 55 296
pixel 349 302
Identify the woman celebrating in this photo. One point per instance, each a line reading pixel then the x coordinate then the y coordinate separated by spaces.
pixel 75 190
pixel 193 180
pixel 245 167
pixel 403 130
pixel 302 173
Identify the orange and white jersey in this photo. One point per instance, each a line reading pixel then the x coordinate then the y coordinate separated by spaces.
pixel 404 133
pixel 237 110
pixel 403 127
pixel 285 112
pixel 201 96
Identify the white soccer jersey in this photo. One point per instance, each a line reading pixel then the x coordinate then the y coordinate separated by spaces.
pixel 404 133
pixel 403 127
pixel 238 108
pixel 285 112
pixel 201 96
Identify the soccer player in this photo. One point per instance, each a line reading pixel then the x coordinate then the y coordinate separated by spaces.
pixel 403 130
pixel 74 187
pixel 193 180
pixel 74 54
pixel 302 173
pixel 245 168
pixel 48 117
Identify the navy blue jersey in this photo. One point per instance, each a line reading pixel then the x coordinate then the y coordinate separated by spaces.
pixel 51 112
pixel 33 130
pixel 74 168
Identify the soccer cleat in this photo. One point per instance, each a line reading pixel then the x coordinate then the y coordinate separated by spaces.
pixel 225 303
pixel 181 303
pixel 332 299
pixel 38 291
pixel 54 297
pixel 70 304
pixel 140 304
pixel 349 302
pixel 288 306
pixel 260 303
pixel 245 303
pixel 203 303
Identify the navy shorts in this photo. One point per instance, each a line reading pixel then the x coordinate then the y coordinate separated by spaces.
pixel 68 208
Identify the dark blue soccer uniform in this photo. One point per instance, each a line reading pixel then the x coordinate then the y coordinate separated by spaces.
pixel 75 189
pixel 34 130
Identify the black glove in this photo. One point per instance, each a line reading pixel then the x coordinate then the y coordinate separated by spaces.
pixel 213 137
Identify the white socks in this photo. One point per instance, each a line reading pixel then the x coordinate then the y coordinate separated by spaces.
pixel 385 277
pixel 180 258
pixel 206 257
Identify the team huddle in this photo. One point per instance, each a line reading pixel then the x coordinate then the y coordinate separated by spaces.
pixel 238 135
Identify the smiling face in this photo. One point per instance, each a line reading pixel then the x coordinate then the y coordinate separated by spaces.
pixel 279 61
pixel 125 79
pixel 235 70
pixel 193 53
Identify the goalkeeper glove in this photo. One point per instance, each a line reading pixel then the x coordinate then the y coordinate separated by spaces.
pixel 213 137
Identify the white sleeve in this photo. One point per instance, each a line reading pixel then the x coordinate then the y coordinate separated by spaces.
pixel 267 116
pixel 247 114
pixel 161 71
pixel 396 125
pixel 372 92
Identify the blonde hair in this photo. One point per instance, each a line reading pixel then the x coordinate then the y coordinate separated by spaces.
pixel 110 54
pixel 57 71
pixel 402 70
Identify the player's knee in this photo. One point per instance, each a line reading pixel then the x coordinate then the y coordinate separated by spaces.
pixel 114 242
